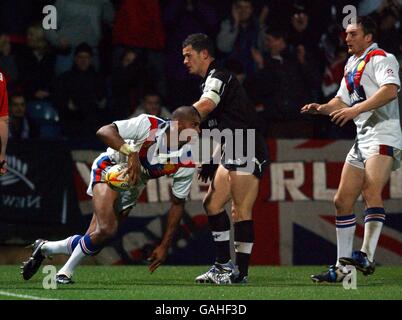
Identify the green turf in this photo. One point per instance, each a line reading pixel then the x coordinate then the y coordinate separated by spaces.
pixel 170 282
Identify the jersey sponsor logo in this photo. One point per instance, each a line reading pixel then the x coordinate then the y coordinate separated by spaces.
pixel 390 71
pixel 17 172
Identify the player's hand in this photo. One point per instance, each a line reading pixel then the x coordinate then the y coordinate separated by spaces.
pixel 158 256
pixel 133 168
pixel 341 116
pixel 207 171
pixel 3 167
pixel 312 108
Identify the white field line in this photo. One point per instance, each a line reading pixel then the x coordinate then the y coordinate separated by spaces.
pixel 23 296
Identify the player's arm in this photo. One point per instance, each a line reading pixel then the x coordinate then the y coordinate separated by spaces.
pixel 109 134
pixel 324 109
pixel 3 143
pixel 3 123
pixel 175 214
pixel 385 94
pixel 204 106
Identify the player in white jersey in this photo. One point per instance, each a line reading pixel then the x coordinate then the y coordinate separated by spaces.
pixel 368 95
pixel 145 143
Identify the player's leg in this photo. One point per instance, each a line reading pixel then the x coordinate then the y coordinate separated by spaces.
pixel 43 248
pixel 214 204
pixel 65 246
pixel 106 226
pixel 378 170
pixel 349 189
pixel 244 190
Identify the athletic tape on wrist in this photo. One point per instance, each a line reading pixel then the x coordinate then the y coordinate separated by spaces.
pixel 126 149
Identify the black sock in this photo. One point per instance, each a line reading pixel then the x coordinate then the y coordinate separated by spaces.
pixel 220 228
pixel 244 239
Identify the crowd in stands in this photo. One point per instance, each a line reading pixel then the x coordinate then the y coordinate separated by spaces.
pixel 114 59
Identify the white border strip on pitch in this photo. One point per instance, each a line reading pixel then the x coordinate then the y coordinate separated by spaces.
pixel 23 296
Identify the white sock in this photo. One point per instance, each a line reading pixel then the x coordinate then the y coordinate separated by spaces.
pixel 58 247
pixel 75 259
pixel 345 232
pixel 373 222
pixel 372 231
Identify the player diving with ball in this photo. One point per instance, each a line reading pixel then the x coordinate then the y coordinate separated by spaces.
pixel 151 147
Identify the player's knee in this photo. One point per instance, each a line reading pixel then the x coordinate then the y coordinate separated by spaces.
pixel 342 202
pixel 240 213
pixel 211 208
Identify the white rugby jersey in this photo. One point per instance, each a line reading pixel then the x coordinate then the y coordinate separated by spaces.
pixel 144 133
pixel 363 77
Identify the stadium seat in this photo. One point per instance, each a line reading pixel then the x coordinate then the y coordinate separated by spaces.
pixel 45 117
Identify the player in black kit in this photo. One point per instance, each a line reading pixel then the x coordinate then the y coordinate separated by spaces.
pixel 224 106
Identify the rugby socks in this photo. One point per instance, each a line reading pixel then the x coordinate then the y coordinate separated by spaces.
pixel 243 243
pixel 65 246
pixel 345 232
pixel 85 247
pixel 373 222
pixel 220 227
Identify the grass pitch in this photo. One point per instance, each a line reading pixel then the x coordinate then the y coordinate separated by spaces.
pixel 177 283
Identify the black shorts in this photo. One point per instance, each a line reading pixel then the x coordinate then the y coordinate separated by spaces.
pixel 249 163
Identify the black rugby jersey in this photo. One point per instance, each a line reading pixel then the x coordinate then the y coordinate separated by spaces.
pixel 233 108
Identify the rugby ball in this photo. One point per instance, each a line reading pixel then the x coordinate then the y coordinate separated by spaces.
pixel 117 178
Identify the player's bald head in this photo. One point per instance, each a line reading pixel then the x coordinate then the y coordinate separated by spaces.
pixel 185 113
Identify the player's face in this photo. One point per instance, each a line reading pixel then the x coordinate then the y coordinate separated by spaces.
pixel 356 40
pixel 190 128
pixel 192 60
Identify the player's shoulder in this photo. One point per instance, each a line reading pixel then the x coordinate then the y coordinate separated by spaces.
pixel 220 73
pixel 381 56
pixel 147 120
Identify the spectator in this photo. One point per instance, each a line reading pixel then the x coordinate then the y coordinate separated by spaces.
pixel 301 32
pixel 128 81
pixel 138 26
pixel 181 18
pixel 80 96
pixel 15 17
pixel 284 80
pixel 8 65
pixel 367 7
pixel 78 21
pixel 152 104
pixel 239 34
pixel 334 73
pixel 20 126
pixel 36 65
pixel 389 36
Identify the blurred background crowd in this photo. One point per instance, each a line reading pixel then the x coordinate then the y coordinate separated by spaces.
pixel 115 59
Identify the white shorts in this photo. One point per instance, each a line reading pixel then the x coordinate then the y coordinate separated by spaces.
pixel 358 155
pixel 127 199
